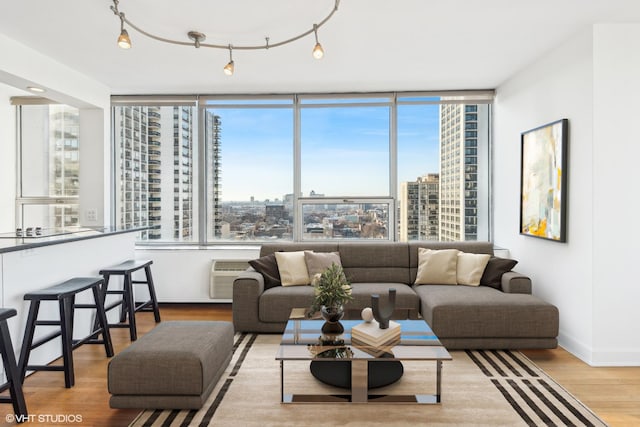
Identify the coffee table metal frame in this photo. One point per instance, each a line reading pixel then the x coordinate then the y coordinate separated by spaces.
pixel 417 343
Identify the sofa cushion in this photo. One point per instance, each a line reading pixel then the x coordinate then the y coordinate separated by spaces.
pixel 477 312
pixel 272 247
pixel 470 268
pixel 437 267
pixel 268 267
pixel 406 298
pixel 494 270
pixel 318 262
pixel 292 268
pixel 275 304
pixel 375 262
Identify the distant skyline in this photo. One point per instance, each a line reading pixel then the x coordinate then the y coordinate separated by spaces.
pixel 344 150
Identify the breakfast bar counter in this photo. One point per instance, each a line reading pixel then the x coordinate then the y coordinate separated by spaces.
pixel 31 263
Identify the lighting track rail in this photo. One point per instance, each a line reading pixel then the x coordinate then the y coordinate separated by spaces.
pixel 197 38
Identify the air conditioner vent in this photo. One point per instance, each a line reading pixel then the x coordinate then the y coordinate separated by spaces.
pixel 223 273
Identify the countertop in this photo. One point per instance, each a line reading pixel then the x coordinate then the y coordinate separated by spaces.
pixel 9 242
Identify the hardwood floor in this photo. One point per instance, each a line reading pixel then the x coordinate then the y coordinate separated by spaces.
pixel 612 393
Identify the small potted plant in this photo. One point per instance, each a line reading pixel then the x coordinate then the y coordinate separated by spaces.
pixel 332 291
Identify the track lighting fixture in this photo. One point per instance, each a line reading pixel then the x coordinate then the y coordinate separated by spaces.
pixel 123 40
pixel 197 38
pixel 229 68
pixel 318 51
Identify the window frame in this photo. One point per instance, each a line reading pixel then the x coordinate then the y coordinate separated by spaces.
pixel 298 102
pixel 21 201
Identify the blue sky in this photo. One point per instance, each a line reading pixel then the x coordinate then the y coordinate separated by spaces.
pixel 344 150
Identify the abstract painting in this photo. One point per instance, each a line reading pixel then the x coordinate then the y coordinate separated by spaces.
pixel 543 181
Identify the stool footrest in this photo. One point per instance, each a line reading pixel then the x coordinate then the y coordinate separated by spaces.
pixel 47 323
pixel 84 306
pixel 45 368
pixel 118 325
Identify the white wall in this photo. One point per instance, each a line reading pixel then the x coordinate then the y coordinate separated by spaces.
pixel 182 275
pixel 7 161
pixel 576 81
pixel 616 293
pixel 20 67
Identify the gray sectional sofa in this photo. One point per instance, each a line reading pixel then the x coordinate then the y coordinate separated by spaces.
pixel 506 316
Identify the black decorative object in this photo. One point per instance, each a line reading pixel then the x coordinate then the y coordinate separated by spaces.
pixel 383 314
pixel 332 316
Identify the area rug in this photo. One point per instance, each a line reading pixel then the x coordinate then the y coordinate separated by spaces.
pixel 479 388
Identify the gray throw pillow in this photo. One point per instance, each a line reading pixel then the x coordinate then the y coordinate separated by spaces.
pixel 268 267
pixel 494 270
pixel 317 262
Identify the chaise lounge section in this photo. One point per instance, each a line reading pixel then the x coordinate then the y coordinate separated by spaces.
pixel 505 316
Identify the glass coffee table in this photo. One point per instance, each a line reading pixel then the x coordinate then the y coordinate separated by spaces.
pixel 303 340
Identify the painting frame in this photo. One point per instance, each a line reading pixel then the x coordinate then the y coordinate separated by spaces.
pixel 543 181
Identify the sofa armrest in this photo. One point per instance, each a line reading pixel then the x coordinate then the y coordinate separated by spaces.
pixel 516 283
pixel 247 288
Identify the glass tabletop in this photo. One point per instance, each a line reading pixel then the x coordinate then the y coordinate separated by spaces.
pixel 303 340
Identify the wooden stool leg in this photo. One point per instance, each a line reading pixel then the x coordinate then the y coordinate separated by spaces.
pixel 11 371
pixel 66 326
pixel 152 294
pixel 129 301
pixel 29 330
pixel 101 319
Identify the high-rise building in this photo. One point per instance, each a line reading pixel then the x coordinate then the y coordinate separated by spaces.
pixel 155 153
pixel 419 201
pixel 213 130
pixel 461 132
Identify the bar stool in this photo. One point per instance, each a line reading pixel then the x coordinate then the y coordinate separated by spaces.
pixel 14 381
pixel 128 306
pixel 65 293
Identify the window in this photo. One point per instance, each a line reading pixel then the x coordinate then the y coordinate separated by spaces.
pixel 49 165
pixel 297 167
pixel 156 176
pixel 249 170
pixel 345 149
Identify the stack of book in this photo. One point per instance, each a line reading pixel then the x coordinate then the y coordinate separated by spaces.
pixel 371 334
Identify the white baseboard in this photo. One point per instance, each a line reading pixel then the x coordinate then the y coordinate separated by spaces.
pixel 622 357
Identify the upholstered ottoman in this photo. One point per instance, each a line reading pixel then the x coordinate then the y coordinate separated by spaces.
pixel 175 366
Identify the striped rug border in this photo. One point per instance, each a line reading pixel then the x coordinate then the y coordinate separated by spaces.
pixel 534 396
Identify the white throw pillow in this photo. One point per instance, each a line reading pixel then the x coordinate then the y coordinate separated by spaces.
pixel 437 267
pixel 470 268
pixel 292 268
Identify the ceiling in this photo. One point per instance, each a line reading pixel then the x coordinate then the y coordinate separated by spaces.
pixel 370 45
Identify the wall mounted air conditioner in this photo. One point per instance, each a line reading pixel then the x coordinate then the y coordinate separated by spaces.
pixel 223 272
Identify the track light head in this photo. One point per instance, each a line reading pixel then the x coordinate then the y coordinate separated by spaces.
pixel 318 51
pixel 124 42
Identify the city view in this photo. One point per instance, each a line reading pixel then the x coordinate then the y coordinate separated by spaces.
pixel 248 170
